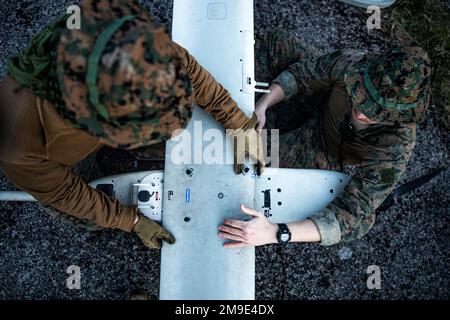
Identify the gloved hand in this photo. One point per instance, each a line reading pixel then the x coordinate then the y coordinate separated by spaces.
pixel 151 233
pixel 248 142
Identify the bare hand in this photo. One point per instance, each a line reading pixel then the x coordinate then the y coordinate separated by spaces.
pixel 256 232
pixel 260 111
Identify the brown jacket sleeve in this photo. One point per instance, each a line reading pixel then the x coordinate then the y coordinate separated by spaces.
pixel 35 156
pixel 210 95
pixel 56 186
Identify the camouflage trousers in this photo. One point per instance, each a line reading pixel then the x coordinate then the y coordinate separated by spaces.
pixel 299 120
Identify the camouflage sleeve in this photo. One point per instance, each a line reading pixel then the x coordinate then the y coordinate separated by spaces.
pixel 210 95
pixel 307 77
pixel 351 215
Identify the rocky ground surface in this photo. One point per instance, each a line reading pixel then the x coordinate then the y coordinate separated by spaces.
pixel 409 242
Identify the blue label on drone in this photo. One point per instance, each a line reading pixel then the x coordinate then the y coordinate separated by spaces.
pixel 188 195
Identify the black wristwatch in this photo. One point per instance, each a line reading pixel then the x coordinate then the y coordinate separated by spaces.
pixel 283 234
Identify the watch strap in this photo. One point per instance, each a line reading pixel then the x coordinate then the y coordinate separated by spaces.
pixel 283 229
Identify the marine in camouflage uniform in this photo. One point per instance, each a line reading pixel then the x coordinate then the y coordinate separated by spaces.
pixel 391 89
pixel 119 81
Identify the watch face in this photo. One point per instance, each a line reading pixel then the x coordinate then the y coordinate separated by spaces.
pixel 284 237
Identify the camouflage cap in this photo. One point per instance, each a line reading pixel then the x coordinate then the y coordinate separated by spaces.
pixel 120 76
pixel 391 87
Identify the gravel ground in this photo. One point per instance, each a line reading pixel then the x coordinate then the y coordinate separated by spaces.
pixel 409 242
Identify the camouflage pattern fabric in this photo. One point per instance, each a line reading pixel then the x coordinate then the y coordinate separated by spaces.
pixel 120 76
pixel 303 147
pixel 276 50
pixel 394 86
pixel 385 149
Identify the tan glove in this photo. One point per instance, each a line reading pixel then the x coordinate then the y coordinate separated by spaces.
pixel 151 233
pixel 248 142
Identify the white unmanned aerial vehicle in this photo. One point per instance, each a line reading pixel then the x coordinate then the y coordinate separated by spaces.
pixel 192 200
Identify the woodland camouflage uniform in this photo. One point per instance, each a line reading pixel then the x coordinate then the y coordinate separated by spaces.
pixel 119 81
pixel 392 89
